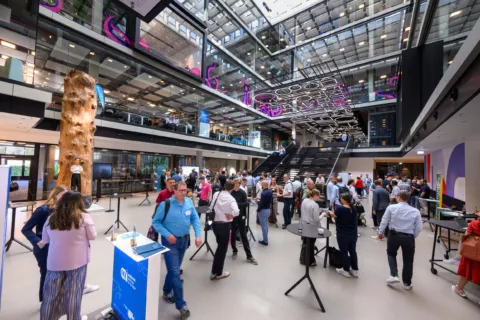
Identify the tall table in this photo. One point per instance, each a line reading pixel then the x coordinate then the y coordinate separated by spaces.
pixel 118 196
pixel 309 231
pixel 14 206
pixel 450 226
pixel 203 210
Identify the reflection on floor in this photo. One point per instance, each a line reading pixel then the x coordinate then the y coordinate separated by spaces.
pixel 257 292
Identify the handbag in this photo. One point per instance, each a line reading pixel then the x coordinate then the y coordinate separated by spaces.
pixel 14 186
pixel 360 209
pixel 471 247
pixel 151 233
pixel 335 257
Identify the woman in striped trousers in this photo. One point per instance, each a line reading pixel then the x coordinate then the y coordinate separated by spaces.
pixel 68 232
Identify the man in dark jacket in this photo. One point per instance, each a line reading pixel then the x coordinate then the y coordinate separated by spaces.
pixel 238 223
pixel 222 178
pixel 381 200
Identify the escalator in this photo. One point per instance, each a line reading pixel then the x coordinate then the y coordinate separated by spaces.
pixel 274 160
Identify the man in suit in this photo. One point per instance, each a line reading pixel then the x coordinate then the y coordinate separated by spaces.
pixel 381 200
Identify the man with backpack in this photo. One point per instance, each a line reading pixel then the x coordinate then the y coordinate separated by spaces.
pixel 168 192
pixel 172 221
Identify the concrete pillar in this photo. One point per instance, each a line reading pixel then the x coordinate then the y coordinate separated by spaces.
pixel 249 163
pixel 294 132
pixel 304 137
pixel 371 85
pixel 472 175
pixel 199 160
pixel 97 16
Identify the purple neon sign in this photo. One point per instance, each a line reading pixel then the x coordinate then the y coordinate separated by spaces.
pixel 53 7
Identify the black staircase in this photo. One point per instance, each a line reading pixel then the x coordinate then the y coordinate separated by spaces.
pixel 274 160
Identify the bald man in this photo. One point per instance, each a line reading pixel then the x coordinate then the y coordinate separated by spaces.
pixel 310 187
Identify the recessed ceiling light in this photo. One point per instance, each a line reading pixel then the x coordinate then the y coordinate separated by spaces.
pixel 420 152
pixel 450 62
pixel 342 49
pixel 130 99
pixel 361 43
pixel 407 29
pixel 193 88
pixel 383 36
pixel 92 53
pixel 263 37
pixel 456 13
pixel 248 53
pixel 107 91
pixel 4 57
pixel 36 71
pixel 33 53
pixel 8 45
pixel 405 40
pixel 266 46
pixel 349 100
pixel 125 67
pixel 110 60
pixel 149 77
pixel 44 82
pixel 231 85
pixel 72 45
pixel 361 81
pixel 383 77
pixel 324 55
pixel 308 28
pixel 151 104
pixel 287 46
pixel 268 72
pixel 342 14
pixel 262 67
pixel 361 6
pixel 229 155
pixel 308 60
pixel 47 78
pixel 50 36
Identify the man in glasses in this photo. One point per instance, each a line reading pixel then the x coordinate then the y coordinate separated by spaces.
pixel 174 227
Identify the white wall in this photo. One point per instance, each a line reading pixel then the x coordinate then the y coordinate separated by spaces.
pixel 472 175
pixel 358 166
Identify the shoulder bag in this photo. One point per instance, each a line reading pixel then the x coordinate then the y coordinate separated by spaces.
pixel 152 234
pixel 471 247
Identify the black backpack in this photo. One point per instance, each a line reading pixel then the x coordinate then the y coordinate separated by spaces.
pixel 335 257
pixel 343 189
pixel 152 234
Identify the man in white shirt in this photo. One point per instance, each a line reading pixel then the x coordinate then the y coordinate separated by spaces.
pixel 250 183
pixel 76 180
pixel 288 191
pixel 320 179
pixel 296 184
pixel 331 191
pixel 226 209
pixel 258 188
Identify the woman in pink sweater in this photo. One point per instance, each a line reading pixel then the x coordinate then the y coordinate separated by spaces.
pixel 68 231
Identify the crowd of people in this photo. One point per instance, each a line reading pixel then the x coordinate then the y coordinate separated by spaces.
pixel 64 230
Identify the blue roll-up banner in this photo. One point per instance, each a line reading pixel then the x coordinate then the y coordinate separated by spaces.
pixel 129 291
pixel 101 96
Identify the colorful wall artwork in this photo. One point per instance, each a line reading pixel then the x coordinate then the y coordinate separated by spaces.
pixel 450 163
pixel 55 5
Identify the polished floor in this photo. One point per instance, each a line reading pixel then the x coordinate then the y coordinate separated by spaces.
pixel 257 292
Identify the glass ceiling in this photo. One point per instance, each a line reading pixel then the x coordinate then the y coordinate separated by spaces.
pixel 278 10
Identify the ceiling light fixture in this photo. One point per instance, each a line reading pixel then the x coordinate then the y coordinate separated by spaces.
pixel 107 91
pixel 248 53
pixel 324 55
pixel 130 99
pixel 110 60
pixel 342 49
pixel 383 77
pixel 407 29
pixel 4 57
pixel 361 6
pixel 266 46
pixel 50 36
pixel 125 67
pixel 383 36
pixel 420 152
pixel 456 13
pixel 263 37
pixel 32 53
pixel 149 77
pixel 308 60
pixel 8 45
pixel 92 53
pixel 262 67
pixel 450 62
pixel 405 40
pixel 361 81
pixel 342 14
pixel 72 45
pixel 308 28
pixel 361 43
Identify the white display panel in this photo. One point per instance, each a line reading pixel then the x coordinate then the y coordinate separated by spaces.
pixel 4 193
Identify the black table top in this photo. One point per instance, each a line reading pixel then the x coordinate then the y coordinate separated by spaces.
pixel 308 231
pixel 465 216
pixel 120 195
pixel 447 224
pixel 202 209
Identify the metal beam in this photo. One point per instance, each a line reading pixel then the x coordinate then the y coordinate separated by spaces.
pixel 413 23
pixel 428 16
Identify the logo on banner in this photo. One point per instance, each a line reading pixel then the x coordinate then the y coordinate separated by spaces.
pixel 129 313
pixel 128 278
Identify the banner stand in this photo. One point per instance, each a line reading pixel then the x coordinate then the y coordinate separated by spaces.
pixel 136 283
pixel 5 172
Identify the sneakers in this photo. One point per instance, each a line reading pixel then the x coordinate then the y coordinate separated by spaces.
pixel 392 280
pixel 84 317
pixel 461 293
pixel 452 261
pixel 224 275
pixel 263 243
pixel 234 256
pixel 284 226
pixel 90 288
pixel 376 238
pixel 353 273
pixel 344 273
pixel 184 312
pixel 169 297
pixel 252 261
pixel 407 286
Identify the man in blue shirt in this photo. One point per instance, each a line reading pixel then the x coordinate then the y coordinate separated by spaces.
pixel 175 232
pixel 331 191
pixel 405 224
pixel 178 177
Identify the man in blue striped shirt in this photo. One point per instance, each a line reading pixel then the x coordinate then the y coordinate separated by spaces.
pixel 175 232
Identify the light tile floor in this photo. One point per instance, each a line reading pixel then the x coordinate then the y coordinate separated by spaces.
pixel 257 292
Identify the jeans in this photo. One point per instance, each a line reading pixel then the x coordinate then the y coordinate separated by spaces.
pixel 407 243
pixel 41 256
pixel 413 201
pixel 173 261
pixel 347 244
pixel 239 224
pixel 359 191
pixel 287 213
pixel 263 217
pixel 222 233
pixel 367 191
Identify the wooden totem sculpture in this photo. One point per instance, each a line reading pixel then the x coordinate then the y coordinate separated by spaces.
pixel 77 128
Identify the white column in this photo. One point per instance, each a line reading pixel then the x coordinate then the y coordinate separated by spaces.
pixel 371 86
pixel 249 163
pixel 199 159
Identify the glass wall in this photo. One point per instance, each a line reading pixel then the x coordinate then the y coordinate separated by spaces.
pixel 17 46
pixel 382 127
pixel 195 7
pixel 170 37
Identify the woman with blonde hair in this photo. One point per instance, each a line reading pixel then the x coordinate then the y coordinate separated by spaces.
pixel 37 221
pixel 68 230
